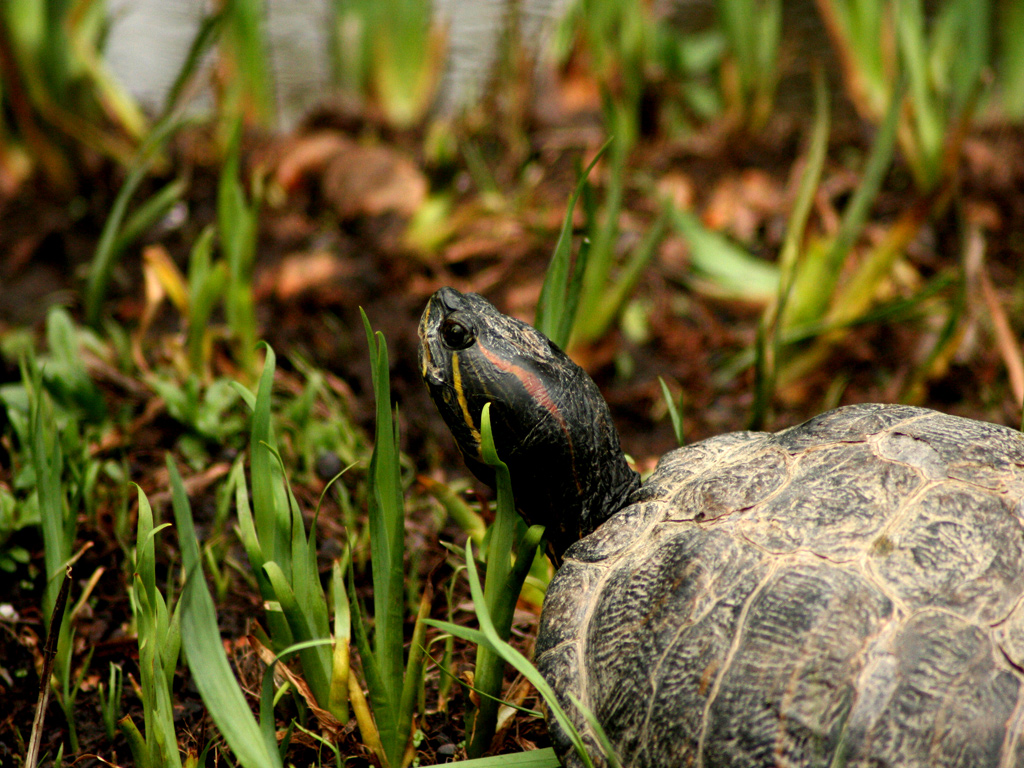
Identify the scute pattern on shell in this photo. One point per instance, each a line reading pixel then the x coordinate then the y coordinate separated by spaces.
pixel 849 591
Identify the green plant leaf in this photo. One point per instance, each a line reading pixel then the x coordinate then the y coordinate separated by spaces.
pixel 387 545
pixel 204 649
pixel 535 758
pixel 560 294
pixel 722 267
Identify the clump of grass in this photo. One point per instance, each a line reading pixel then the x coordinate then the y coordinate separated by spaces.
pixel 159 635
pixel 392 679
pixel 247 85
pixel 54 412
pixel 253 743
pixel 59 524
pixel 281 555
pixel 753 30
pixel 57 93
pixel 237 218
pixel 121 229
pixel 941 58
pixel 391 52
pixel 502 585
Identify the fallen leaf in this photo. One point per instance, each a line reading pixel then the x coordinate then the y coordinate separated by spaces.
pixel 301 272
pixel 370 181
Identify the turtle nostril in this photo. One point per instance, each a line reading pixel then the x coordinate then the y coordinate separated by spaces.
pixel 450 298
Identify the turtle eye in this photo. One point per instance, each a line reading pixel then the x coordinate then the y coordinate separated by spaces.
pixel 456 335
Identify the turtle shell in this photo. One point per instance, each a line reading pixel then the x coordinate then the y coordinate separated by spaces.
pixel 846 592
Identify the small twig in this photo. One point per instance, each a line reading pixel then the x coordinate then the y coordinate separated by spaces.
pixel 1008 346
pixel 49 652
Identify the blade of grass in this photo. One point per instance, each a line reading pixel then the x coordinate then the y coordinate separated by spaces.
pixel 559 296
pixel 110 247
pixel 1011 57
pixel 406 53
pixel 673 412
pixel 80 26
pixel 535 758
pixel 48 462
pixel 502 586
pixel 110 699
pixel 458 510
pixel 366 719
pixel 270 506
pixel 159 641
pixel 237 220
pixel 490 669
pixel 488 635
pixel 314 657
pixel 208 33
pixel 206 283
pixel 768 345
pixel 814 286
pixel 604 234
pixel 619 291
pixel 413 679
pixel 340 669
pixel 149 213
pixel 204 649
pixel 723 267
pixel 251 86
pixel 387 545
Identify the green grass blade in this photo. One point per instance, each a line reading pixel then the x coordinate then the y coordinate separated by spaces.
pixel 815 283
pixel 315 658
pixel 206 284
pixel 595 726
pixel 489 636
pixel 371 671
pixel 1011 58
pixel 928 120
pixel 604 234
pixel 107 249
pixel 413 680
pixel 273 520
pixel 206 36
pixel 498 593
pixel 136 742
pixel 767 348
pixel 535 758
pixel 387 545
pixel 673 412
pixel 149 213
pixel 64 373
pixel 253 83
pixel 237 226
pixel 246 527
pixel 620 290
pixel 864 197
pixel 156 631
pixel 337 701
pixel 723 267
pixel 559 296
pixel 204 649
pixel 48 463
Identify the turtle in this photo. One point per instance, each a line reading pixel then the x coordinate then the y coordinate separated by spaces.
pixel 846 592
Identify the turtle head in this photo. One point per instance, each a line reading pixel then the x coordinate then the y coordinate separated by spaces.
pixel 550 424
